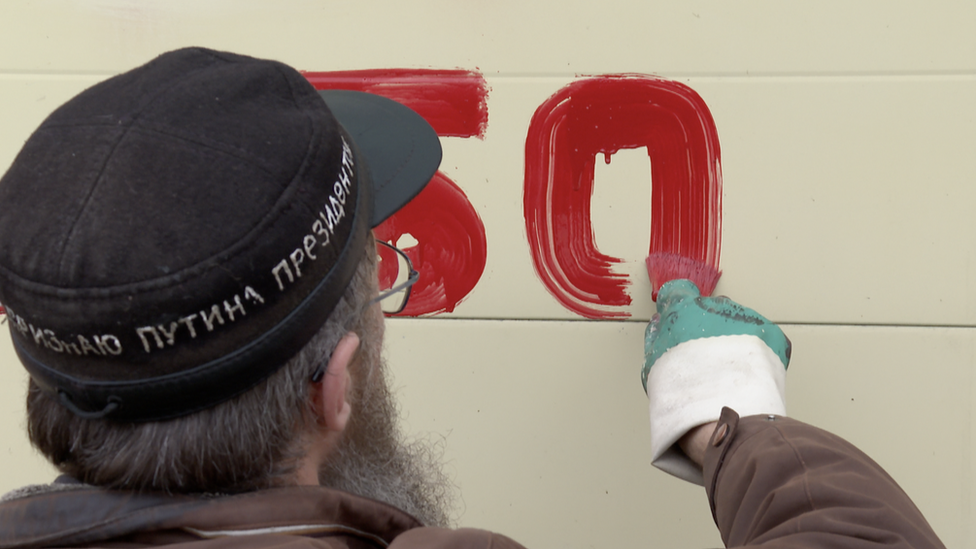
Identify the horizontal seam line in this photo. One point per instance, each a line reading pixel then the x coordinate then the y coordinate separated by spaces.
pixel 645 321
pixel 574 74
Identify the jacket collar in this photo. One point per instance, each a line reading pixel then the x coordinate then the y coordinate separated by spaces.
pixel 85 515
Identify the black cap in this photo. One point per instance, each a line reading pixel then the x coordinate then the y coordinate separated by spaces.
pixel 173 235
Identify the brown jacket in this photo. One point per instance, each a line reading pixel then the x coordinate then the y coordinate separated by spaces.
pixel 772 482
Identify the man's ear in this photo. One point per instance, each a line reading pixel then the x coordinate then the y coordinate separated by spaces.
pixel 329 395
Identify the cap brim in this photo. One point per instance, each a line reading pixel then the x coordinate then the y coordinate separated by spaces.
pixel 400 147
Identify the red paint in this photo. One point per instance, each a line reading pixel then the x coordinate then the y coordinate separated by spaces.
pixel 585 119
pixel 454 102
pixel 601 116
pixel 452 249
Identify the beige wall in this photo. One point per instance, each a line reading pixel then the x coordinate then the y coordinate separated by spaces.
pixel 848 131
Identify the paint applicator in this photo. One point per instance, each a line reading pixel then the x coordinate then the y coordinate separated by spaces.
pixel 665 266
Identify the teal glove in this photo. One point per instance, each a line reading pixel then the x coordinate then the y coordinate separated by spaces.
pixel 684 315
pixel 700 355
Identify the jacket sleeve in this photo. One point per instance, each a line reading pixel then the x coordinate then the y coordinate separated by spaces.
pixel 774 482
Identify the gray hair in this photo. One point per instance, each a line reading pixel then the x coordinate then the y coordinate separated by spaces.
pixel 250 442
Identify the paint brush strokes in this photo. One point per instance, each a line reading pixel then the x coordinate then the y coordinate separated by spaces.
pixel 599 116
pixel 454 102
pixel 451 248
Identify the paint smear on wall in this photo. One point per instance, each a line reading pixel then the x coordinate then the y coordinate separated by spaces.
pixel 597 117
pixel 451 247
pixel 454 102
pixel 450 250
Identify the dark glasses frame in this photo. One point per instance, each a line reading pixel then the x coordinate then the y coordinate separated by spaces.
pixel 412 278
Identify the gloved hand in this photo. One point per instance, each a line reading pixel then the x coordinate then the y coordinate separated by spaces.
pixel 703 353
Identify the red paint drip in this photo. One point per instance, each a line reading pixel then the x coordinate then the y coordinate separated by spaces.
pixel 454 102
pixel 602 115
pixel 451 252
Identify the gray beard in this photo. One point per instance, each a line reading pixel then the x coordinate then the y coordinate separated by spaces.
pixel 374 460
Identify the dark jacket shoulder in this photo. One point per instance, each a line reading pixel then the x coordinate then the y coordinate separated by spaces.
pixel 298 516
